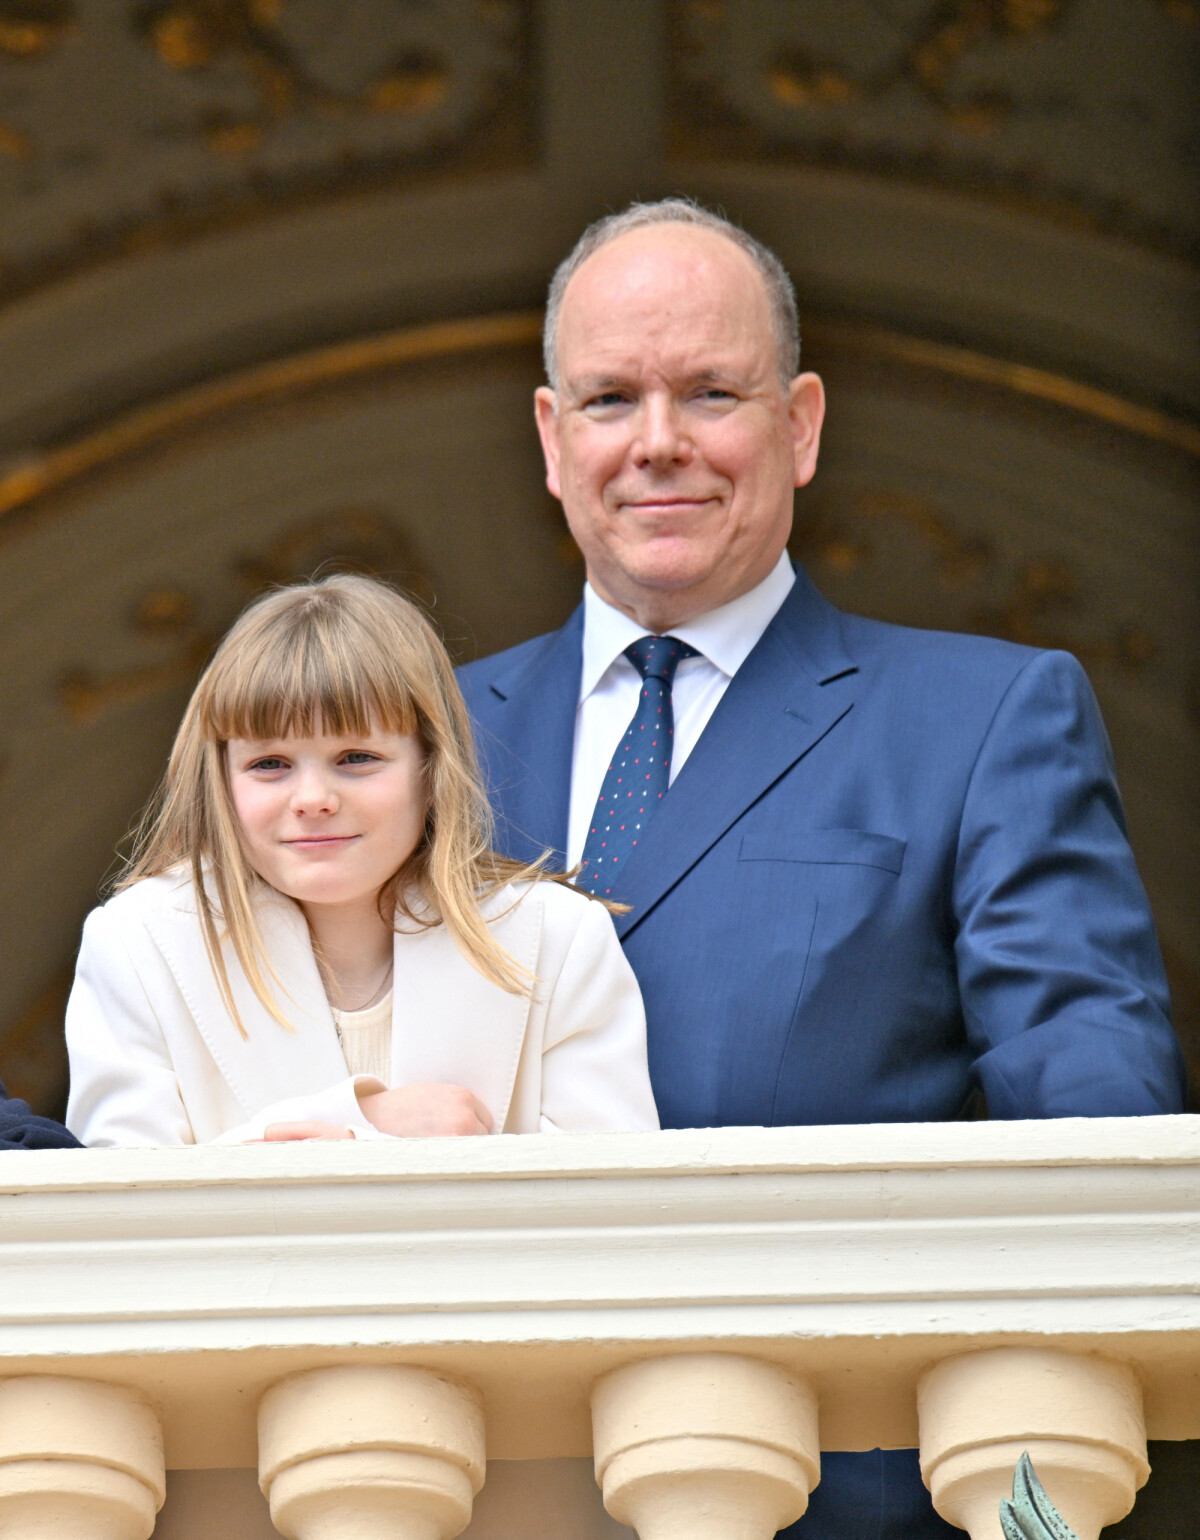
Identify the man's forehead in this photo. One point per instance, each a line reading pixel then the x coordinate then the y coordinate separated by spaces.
pixel 599 370
pixel 691 305
pixel 691 259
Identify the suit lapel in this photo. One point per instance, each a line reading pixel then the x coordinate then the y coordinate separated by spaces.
pixel 792 689
pixel 269 1063
pixel 449 1024
pixel 529 761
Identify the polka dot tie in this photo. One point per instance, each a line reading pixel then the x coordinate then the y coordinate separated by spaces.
pixel 636 780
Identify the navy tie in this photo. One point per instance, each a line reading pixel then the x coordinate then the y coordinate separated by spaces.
pixel 636 781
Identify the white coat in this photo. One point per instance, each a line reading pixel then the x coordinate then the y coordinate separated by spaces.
pixel 156 1058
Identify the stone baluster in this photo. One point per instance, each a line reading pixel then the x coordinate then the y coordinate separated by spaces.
pixel 705 1446
pixel 79 1460
pixel 1080 1418
pixel 370 1452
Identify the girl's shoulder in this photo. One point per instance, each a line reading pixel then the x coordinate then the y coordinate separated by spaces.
pixel 556 904
pixel 170 891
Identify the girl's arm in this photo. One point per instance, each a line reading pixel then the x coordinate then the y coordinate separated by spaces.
pixel 594 1072
pixel 338 1108
pixel 125 1087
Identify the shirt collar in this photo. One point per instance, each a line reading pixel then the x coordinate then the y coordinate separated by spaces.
pixel 725 636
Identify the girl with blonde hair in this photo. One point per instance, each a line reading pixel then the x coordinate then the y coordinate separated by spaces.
pixel 314 938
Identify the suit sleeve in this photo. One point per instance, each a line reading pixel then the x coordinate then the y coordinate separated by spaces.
pixel 124 1086
pixel 22 1129
pixel 594 1073
pixel 1062 985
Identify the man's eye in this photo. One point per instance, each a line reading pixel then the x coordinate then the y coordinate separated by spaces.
pixel 715 393
pixel 608 398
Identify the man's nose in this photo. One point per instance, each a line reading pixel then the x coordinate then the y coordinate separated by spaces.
pixel 662 437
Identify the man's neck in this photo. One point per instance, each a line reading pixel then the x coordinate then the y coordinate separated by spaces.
pixel 658 611
pixel 725 636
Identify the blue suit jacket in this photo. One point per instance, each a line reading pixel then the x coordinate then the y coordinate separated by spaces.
pixel 893 870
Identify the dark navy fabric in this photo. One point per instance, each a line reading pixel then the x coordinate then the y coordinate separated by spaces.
pixel 875 1496
pixel 892 874
pixel 639 773
pixel 22 1129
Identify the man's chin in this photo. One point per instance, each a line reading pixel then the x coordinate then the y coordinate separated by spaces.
pixel 669 565
pixel 660 593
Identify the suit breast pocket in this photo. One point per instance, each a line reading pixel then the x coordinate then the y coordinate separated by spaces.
pixel 824 847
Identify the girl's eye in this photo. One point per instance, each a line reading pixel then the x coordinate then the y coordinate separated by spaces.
pixel 359 757
pixel 268 762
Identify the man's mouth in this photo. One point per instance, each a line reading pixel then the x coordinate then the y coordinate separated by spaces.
pixel 666 504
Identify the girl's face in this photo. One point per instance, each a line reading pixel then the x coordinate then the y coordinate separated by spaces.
pixel 328 820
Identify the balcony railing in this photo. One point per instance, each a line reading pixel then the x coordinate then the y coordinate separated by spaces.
pixel 368 1326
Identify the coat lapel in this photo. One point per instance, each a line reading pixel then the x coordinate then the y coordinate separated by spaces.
pixel 792 689
pixel 269 1063
pixel 528 761
pixel 449 1024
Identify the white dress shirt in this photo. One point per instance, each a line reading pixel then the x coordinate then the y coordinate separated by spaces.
pixel 609 685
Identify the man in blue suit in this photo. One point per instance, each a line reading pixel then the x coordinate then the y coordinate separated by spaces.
pixel 22 1129
pixel 890 879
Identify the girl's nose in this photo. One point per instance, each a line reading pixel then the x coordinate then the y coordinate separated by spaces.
pixel 313 794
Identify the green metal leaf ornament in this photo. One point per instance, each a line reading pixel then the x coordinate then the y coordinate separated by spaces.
pixel 1029 1514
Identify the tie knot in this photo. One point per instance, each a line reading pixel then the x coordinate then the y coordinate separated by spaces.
pixel 657 657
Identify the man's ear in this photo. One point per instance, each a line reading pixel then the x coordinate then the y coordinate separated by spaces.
pixel 547 426
pixel 806 410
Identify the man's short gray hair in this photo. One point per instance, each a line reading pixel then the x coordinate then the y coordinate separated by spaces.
pixel 781 296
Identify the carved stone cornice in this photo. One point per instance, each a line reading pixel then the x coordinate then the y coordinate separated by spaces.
pixel 1081 112
pixel 127 126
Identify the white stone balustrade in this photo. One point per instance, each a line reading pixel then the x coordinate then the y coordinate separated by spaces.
pixel 1079 1418
pixel 79 1460
pixel 370 1452
pixel 709 1296
pixel 705 1446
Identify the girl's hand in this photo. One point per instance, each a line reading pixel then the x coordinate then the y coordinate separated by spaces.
pixel 426 1111
pixel 279 1133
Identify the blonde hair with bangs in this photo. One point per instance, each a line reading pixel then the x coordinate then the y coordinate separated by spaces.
pixel 345 656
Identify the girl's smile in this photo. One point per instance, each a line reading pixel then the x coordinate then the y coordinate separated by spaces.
pixel 320 842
